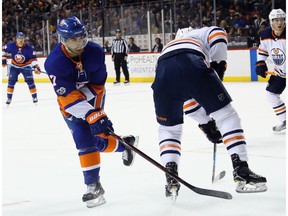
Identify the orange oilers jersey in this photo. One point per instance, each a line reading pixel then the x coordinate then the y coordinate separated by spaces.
pixel 78 83
pixel 210 41
pixel 274 48
pixel 21 56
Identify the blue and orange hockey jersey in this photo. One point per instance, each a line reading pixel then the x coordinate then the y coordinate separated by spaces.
pixel 21 56
pixel 78 83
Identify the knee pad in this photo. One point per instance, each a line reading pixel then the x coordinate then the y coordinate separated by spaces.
pixel 170 132
pixel 226 118
pixel 273 99
pixel 11 82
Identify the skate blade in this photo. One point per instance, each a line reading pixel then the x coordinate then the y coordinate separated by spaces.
pixel 96 202
pixel 282 132
pixel 242 187
pixel 174 195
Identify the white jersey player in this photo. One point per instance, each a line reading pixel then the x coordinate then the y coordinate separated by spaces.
pixel 273 46
pixel 214 40
pixel 183 72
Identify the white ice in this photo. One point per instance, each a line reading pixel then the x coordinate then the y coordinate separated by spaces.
pixel 42 175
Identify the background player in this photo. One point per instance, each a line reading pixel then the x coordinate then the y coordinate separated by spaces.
pixel 183 73
pixel 273 45
pixel 23 57
pixel 78 73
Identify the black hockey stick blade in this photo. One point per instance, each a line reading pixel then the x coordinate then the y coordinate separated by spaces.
pixel 202 191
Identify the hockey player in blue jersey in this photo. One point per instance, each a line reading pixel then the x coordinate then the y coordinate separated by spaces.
pixel 78 74
pixel 23 61
pixel 273 46
pixel 183 72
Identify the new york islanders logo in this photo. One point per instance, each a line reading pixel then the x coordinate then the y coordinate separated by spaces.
pixel 278 56
pixel 19 58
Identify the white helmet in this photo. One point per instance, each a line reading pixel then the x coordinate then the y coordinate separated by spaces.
pixel 180 33
pixel 276 13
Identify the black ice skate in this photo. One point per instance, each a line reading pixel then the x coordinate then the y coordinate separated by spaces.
pixel 35 100
pixel 126 82
pixel 173 186
pixel 116 83
pixel 94 195
pixel 8 102
pixel 128 155
pixel 280 128
pixel 247 181
pixel 211 131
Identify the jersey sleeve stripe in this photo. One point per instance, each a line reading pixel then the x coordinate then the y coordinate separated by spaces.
pixel 218 41
pixel 217 34
pixel 262 51
pixel 71 99
pixel 100 94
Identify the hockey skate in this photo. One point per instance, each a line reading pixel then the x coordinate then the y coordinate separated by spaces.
pixel 94 195
pixel 173 186
pixel 116 83
pixel 128 155
pixel 280 129
pixel 211 131
pixel 8 102
pixel 126 82
pixel 247 181
pixel 35 100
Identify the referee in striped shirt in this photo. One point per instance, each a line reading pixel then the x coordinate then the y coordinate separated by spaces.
pixel 119 51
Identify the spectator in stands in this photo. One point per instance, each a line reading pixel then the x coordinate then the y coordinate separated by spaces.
pixel 238 21
pixel 132 47
pixel 231 32
pixel 258 21
pixel 253 39
pixel 240 32
pixel 107 48
pixel 172 37
pixel 194 25
pixel 158 46
pixel 223 24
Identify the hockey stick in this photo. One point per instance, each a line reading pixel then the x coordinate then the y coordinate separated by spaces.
pixel 202 191
pixel 221 174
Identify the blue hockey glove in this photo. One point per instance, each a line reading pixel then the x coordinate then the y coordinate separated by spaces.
pixel 37 69
pixel 99 122
pixel 220 68
pixel 261 68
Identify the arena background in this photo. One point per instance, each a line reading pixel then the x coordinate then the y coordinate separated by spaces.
pixel 144 21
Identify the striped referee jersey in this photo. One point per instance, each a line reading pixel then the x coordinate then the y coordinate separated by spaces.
pixel 119 46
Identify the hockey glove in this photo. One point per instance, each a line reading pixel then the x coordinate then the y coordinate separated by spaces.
pixel 220 68
pixel 211 131
pixel 261 68
pixel 99 122
pixel 37 69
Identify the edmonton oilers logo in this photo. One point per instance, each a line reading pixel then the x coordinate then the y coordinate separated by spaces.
pixel 278 56
pixel 19 58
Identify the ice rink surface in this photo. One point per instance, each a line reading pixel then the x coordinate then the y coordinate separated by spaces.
pixel 42 176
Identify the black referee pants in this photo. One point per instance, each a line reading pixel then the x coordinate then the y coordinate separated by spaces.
pixel 119 61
